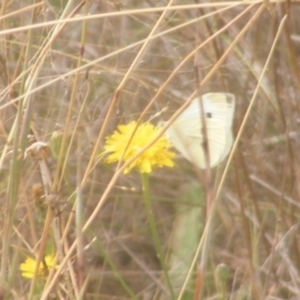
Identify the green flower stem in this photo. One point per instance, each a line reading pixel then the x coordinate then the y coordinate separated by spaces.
pixel 153 229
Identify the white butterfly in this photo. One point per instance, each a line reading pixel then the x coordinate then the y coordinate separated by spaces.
pixel 186 132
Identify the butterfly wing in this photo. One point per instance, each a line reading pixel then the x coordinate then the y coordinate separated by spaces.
pixel 186 132
pixel 216 135
pixel 187 138
pixel 220 106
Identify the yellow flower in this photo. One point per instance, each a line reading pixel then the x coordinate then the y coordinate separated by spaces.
pixel 27 268
pixel 157 155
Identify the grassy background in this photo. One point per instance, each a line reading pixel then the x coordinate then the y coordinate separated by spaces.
pixel 69 83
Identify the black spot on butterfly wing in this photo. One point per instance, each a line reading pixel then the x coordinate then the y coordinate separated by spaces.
pixel 209 115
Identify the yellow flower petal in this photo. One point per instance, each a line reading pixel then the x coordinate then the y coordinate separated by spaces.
pixel 122 146
pixel 28 266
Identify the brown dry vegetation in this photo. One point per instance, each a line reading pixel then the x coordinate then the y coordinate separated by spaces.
pixel 69 83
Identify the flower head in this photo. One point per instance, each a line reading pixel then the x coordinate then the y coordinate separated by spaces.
pixel 28 266
pixel 157 155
